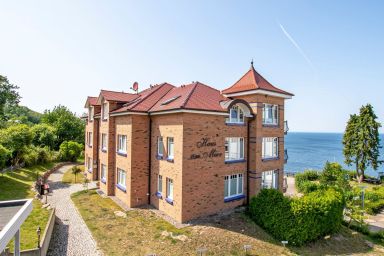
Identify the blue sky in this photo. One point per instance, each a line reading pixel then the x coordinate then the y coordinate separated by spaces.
pixel 328 53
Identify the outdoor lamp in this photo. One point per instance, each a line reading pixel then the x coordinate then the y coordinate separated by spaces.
pixel 38 232
pixel 363 187
pixel 247 247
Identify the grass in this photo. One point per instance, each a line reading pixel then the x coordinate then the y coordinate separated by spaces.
pixel 374 196
pixel 17 185
pixel 68 177
pixel 142 232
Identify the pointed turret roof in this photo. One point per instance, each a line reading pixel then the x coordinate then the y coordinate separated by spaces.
pixel 253 81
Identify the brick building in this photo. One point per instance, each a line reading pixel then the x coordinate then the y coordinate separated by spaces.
pixel 189 151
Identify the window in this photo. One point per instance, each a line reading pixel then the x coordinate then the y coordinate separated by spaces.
pixel 91 113
pixel 121 178
pixel 103 171
pixel 122 144
pixel 234 148
pixel 270 179
pixel 171 149
pixel 270 114
pixel 104 142
pixel 270 147
pixel 170 189
pixel 233 185
pixel 89 138
pixel 160 184
pixel 89 164
pixel 160 146
pixel 105 111
pixel 236 115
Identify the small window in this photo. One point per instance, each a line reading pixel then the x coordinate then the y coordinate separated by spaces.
pixel 234 148
pixel 236 115
pixel 103 141
pixel 160 184
pixel 233 185
pixel 122 144
pixel 89 138
pixel 89 164
pixel 103 172
pixel 105 111
pixel 160 146
pixel 270 114
pixel 270 179
pixel 170 189
pixel 170 148
pixel 91 113
pixel 270 147
pixel 121 177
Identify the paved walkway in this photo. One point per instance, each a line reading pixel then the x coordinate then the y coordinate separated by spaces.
pixel 70 235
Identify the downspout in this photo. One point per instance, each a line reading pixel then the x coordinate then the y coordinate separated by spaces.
pixel 149 159
pixel 248 149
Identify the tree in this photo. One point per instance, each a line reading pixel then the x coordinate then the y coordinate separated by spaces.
pixel 362 142
pixel 16 138
pixel 68 126
pixel 70 151
pixel 75 170
pixel 4 156
pixel 8 95
pixel 44 135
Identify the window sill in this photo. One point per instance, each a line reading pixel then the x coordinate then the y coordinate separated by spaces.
pixel 89 170
pixel 168 200
pixel 269 159
pixel 104 150
pixel 104 120
pixel 159 195
pixel 121 153
pixel 235 161
pixel 158 157
pixel 233 198
pixel 171 160
pixel 121 188
pixel 271 125
pixel 90 146
pixel 235 124
pixel 103 180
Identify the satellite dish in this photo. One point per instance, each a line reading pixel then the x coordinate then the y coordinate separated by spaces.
pixel 135 86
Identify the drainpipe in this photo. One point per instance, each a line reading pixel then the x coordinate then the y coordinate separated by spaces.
pixel 248 147
pixel 149 159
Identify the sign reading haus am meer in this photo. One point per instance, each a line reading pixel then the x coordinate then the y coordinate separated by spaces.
pixel 205 143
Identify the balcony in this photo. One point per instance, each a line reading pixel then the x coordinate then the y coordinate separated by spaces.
pixel 286 128
pixel 285 156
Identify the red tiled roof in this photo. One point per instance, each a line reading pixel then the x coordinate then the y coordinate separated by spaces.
pixel 91 101
pixel 147 99
pixel 117 96
pixel 253 81
pixel 196 96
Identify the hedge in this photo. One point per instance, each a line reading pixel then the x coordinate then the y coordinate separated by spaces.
pixel 304 181
pixel 298 220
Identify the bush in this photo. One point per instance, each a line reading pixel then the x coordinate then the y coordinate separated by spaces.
pixel 30 156
pixel 5 156
pixel 298 220
pixel 70 151
pixel 304 181
pixel 307 187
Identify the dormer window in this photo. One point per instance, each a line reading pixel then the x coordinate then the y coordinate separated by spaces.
pixel 105 111
pixel 236 115
pixel 91 113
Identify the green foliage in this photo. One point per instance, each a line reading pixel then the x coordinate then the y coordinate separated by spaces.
pixel 35 155
pixel 361 141
pixel 67 125
pixel 298 220
pixel 75 170
pixel 16 138
pixel 70 151
pixel 5 155
pixel 335 176
pixel 20 114
pixel 44 135
pixel 304 181
pixel 8 95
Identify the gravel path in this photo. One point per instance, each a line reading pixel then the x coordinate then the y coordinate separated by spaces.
pixel 70 235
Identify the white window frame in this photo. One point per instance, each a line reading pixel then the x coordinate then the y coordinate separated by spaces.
pixel 103 172
pixel 170 148
pixel 121 177
pixel 104 141
pixel 239 185
pixel 89 164
pixel 239 148
pixel 122 143
pixel 270 179
pixel 274 111
pixel 274 147
pixel 239 119
pixel 160 146
pixel 105 111
pixel 90 139
pixel 170 189
pixel 91 113
pixel 160 184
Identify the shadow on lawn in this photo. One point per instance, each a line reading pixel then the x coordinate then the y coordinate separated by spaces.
pixel 345 242
pixel 13 189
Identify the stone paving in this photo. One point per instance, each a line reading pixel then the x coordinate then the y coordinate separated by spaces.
pixel 70 235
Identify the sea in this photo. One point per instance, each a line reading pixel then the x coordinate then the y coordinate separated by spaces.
pixel 307 150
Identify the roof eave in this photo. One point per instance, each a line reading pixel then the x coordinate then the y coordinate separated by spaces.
pixel 259 91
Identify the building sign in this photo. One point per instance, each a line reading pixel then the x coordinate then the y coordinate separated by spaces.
pixel 209 152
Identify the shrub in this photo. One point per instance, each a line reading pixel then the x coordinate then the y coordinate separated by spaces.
pixel 5 155
pixel 298 220
pixel 30 156
pixel 70 151
pixel 308 186
pixel 304 181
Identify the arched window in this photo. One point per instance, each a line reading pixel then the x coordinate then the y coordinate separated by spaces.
pixel 236 115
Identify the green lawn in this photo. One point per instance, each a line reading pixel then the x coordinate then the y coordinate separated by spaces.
pixel 142 232
pixel 17 185
pixel 68 177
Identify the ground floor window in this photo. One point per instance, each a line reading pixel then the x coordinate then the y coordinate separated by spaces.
pixel 121 175
pixel 170 189
pixel 89 164
pixel 160 184
pixel 270 179
pixel 103 171
pixel 233 185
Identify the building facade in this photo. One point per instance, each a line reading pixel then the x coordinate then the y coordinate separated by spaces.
pixel 190 151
